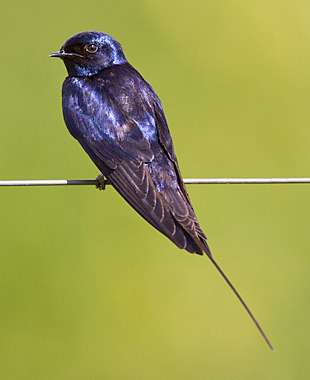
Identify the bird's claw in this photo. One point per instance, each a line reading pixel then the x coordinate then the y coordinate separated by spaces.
pixel 101 182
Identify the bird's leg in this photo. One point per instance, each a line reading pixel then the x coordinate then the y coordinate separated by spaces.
pixel 101 182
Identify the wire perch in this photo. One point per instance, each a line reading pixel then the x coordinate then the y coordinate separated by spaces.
pixel 202 181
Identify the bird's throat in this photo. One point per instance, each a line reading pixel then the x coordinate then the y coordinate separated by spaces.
pixel 76 69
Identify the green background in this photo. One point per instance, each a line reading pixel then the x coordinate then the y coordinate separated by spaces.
pixel 88 290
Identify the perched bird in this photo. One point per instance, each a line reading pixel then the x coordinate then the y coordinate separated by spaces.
pixel 118 119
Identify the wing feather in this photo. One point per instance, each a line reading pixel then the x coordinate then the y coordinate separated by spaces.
pixel 130 143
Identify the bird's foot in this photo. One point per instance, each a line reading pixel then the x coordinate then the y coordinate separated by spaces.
pixel 101 182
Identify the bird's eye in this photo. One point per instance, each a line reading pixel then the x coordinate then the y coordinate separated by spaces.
pixel 91 48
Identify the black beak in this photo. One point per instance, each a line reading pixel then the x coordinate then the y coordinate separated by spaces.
pixel 62 54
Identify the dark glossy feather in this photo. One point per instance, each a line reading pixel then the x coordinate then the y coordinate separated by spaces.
pixel 118 119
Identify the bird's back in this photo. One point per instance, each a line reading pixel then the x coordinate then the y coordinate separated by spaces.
pixel 118 119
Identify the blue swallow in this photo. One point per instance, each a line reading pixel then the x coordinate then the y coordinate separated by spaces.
pixel 118 119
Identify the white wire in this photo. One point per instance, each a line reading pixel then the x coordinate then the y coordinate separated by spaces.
pixel 209 181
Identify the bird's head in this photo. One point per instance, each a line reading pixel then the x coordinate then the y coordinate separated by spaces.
pixel 87 53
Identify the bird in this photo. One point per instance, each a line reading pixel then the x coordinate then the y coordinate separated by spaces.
pixel 118 119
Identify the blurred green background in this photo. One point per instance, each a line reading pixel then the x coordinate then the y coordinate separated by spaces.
pixel 88 290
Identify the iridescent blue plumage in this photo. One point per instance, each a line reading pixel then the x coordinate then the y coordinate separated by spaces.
pixel 118 119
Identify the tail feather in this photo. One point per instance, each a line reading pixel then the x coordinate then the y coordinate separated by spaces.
pixel 206 249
